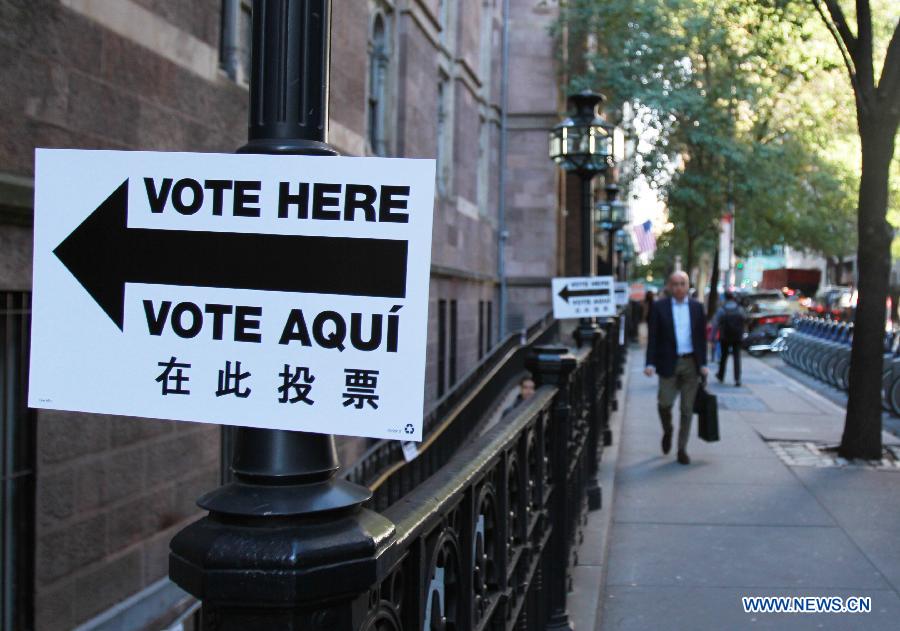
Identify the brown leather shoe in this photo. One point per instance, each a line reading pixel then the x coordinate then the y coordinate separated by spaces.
pixel 683 458
pixel 667 440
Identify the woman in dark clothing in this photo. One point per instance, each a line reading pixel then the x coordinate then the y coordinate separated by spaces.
pixel 649 297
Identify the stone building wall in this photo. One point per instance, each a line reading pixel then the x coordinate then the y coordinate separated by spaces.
pixel 145 74
pixel 533 212
pixel 111 491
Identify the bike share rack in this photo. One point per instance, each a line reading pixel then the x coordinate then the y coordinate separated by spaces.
pixel 821 348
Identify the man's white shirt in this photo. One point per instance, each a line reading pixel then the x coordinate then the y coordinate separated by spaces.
pixel 681 317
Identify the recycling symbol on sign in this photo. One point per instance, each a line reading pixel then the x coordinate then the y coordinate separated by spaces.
pixel 409 428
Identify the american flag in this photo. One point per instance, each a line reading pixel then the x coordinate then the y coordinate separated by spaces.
pixel 644 236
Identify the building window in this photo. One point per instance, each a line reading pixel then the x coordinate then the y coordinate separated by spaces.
pixel 445 18
pixel 488 9
pixel 379 62
pixel 447 346
pixel 487 44
pixel 236 38
pixel 444 131
pixel 451 369
pixel 17 461
pixel 489 326
pixel 484 166
pixel 485 325
pixel 442 348
pixel 480 329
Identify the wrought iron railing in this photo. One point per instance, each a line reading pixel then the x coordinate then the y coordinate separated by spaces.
pixel 452 421
pixel 478 533
pixel 488 543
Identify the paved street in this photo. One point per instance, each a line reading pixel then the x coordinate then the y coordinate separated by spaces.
pixel 684 543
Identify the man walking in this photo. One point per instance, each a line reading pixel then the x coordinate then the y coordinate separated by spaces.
pixel 676 349
pixel 729 321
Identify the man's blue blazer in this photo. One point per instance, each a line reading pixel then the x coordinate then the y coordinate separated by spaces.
pixel 661 351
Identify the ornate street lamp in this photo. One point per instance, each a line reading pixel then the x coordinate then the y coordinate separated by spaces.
pixel 625 250
pixel 612 215
pixel 584 144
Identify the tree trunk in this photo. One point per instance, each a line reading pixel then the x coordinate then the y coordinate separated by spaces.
pixel 862 426
pixel 713 287
pixel 689 255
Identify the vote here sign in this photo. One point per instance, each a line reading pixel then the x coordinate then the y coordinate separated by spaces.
pixel 285 292
pixel 583 297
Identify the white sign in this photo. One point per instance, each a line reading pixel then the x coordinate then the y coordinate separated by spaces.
pixel 410 450
pixel 583 297
pixel 285 292
pixel 726 226
pixel 621 294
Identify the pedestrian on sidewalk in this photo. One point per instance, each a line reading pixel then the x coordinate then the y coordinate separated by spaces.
pixel 526 391
pixel 649 297
pixel 730 321
pixel 676 350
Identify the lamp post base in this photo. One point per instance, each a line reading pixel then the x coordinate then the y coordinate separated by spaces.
pixel 281 574
pixel 586 331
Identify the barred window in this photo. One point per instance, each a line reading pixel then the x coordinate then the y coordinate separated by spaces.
pixel 17 456
pixel 444 136
pixel 379 64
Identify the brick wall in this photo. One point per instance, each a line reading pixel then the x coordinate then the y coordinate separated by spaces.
pixel 349 75
pixel 71 82
pixel 532 211
pixel 111 490
pixel 417 93
pixel 15 262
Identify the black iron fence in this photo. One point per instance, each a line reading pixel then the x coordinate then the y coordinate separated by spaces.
pixel 477 532
pixel 484 541
pixel 488 542
pixel 454 419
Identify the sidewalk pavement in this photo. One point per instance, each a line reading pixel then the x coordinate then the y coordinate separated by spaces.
pixel 675 547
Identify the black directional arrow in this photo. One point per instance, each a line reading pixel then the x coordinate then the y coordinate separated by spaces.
pixel 104 254
pixel 565 293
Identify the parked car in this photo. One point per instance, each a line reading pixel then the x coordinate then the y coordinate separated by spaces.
pixel 835 302
pixel 768 311
pixel 765 301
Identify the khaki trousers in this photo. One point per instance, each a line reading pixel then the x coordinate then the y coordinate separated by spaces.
pixel 685 382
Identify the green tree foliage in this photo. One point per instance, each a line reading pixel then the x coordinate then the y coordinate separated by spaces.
pixel 745 102
pixel 719 91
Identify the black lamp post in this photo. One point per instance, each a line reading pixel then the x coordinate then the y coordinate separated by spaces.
pixel 611 217
pixel 583 144
pixel 286 530
pixel 626 249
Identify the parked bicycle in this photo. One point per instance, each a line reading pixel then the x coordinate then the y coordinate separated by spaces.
pixel 763 330
pixel 821 348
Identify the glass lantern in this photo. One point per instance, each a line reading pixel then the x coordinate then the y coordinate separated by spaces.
pixel 584 142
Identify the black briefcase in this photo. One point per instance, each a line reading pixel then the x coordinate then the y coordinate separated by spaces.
pixel 707 410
